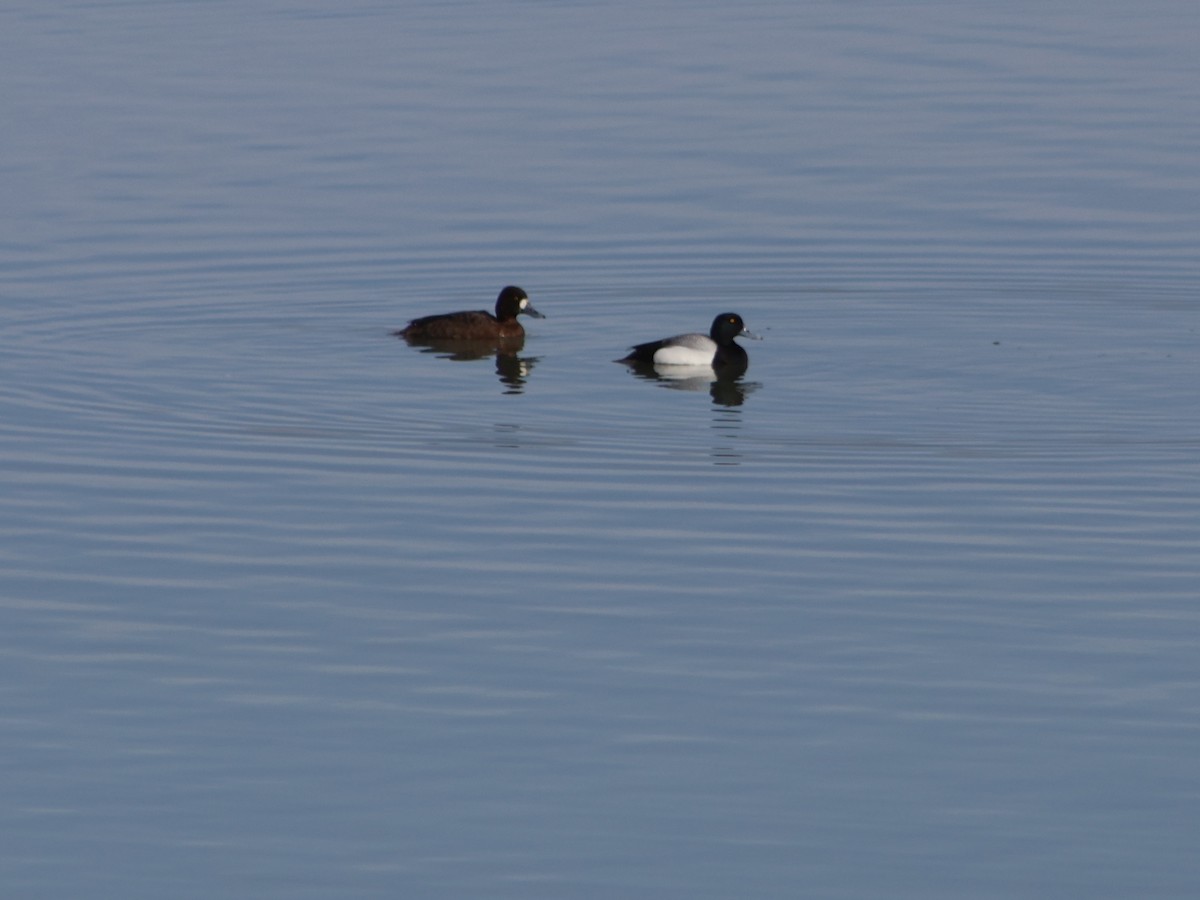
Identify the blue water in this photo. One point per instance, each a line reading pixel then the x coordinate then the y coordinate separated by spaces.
pixel 291 609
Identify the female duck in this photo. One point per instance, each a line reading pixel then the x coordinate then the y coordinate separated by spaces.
pixel 716 349
pixel 475 325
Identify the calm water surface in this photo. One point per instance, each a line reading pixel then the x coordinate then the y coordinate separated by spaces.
pixel 292 609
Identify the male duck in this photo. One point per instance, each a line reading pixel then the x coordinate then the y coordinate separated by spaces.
pixel 716 349
pixel 475 325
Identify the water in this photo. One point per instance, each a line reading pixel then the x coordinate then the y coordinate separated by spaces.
pixel 294 610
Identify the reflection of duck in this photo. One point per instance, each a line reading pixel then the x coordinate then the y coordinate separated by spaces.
pixel 724 384
pixel 468 350
pixel 474 325
pixel 511 368
pixel 716 349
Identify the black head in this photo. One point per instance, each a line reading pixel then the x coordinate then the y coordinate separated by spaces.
pixel 513 302
pixel 726 327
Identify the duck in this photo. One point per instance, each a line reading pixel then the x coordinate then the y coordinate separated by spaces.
pixel 716 349
pixel 475 325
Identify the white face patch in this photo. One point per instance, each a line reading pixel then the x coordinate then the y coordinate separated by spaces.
pixel 524 302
